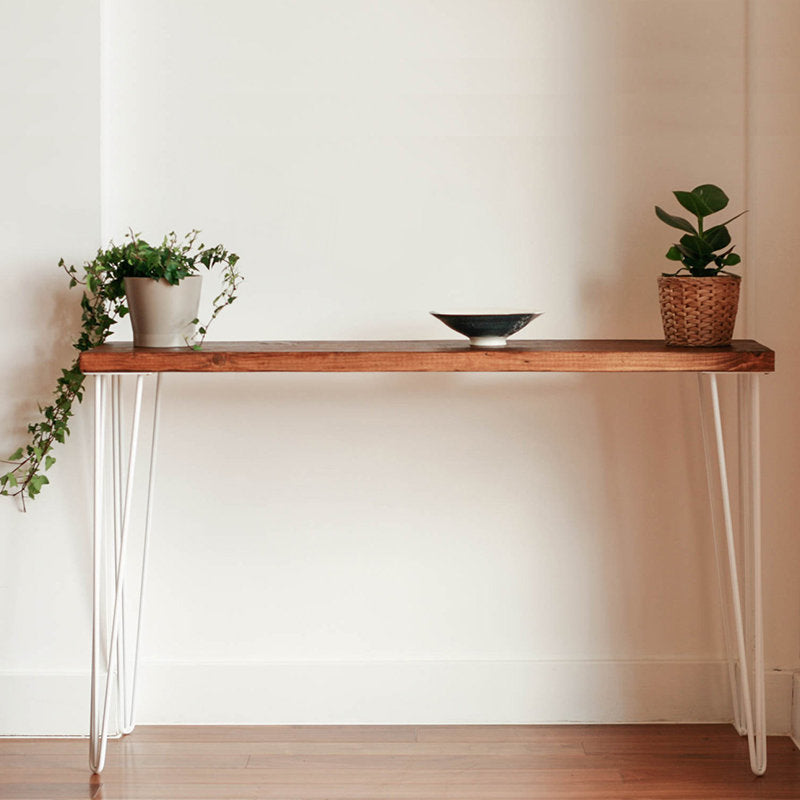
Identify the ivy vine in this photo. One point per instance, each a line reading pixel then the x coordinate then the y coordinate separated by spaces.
pixel 103 302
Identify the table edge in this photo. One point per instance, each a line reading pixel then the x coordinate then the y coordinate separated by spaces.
pixel 551 355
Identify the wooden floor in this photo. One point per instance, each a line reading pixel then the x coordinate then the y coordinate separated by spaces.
pixel 684 762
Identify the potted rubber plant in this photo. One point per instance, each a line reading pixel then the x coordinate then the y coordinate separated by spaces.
pixel 699 309
pixel 159 285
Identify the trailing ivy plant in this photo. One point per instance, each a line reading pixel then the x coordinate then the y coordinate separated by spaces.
pixel 102 304
pixel 698 248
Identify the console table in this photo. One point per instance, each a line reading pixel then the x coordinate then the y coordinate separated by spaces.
pixel 116 654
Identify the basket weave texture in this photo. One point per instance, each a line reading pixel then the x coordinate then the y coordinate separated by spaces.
pixel 699 312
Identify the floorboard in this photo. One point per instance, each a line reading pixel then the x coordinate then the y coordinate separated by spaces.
pixel 486 762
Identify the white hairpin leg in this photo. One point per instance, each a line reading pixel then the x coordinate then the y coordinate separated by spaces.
pixel 718 529
pixel 750 493
pixel 116 662
pixel 749 709
pixel 117 481
pixel 96 746
pixel 131 699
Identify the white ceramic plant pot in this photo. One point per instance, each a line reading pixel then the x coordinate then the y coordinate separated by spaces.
pixel 162 314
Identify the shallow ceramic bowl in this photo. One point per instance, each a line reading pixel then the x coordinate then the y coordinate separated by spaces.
pixel 487 328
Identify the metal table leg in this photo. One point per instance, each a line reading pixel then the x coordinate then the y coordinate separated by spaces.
pixel 114 648
pixel 749 707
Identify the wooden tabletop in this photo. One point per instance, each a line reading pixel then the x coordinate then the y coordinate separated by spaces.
pixel 553 355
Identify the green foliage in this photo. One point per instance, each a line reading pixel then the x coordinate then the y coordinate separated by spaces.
pixel 102 304
pixel 698 248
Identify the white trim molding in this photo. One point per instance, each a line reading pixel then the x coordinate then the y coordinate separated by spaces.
pixel 396 692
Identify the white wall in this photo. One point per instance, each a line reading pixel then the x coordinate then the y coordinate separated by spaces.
pixel 49 85
pixel 774 238
pixel 439 548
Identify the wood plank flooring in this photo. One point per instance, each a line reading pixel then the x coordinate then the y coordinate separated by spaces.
pixel 494 762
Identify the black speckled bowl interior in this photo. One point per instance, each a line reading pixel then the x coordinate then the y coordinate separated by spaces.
pixel 487 326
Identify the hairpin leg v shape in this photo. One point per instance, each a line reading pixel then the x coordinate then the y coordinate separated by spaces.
pixel 109 648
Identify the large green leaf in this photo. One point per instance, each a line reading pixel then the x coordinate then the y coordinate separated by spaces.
pixel 703 200
pixel 718 237
pixel 675 222
pixel 696 247
pixel 696 253
pixel 690 259
pixel 714 198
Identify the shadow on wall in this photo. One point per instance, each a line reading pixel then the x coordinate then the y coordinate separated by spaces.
pixel 48 348
pixel 51 528
pixel 637 74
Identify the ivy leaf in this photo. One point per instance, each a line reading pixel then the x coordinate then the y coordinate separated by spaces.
pixel 35 484
pixel 16 455
pixel 48 462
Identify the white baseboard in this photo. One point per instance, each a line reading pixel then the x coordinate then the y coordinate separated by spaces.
pixel 410 692
pixel 44 704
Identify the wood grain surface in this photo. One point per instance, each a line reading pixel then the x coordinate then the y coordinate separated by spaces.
pixel 565 355
pixel 487 762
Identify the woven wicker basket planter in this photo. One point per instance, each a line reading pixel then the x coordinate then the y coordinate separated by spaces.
pixel 699 312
